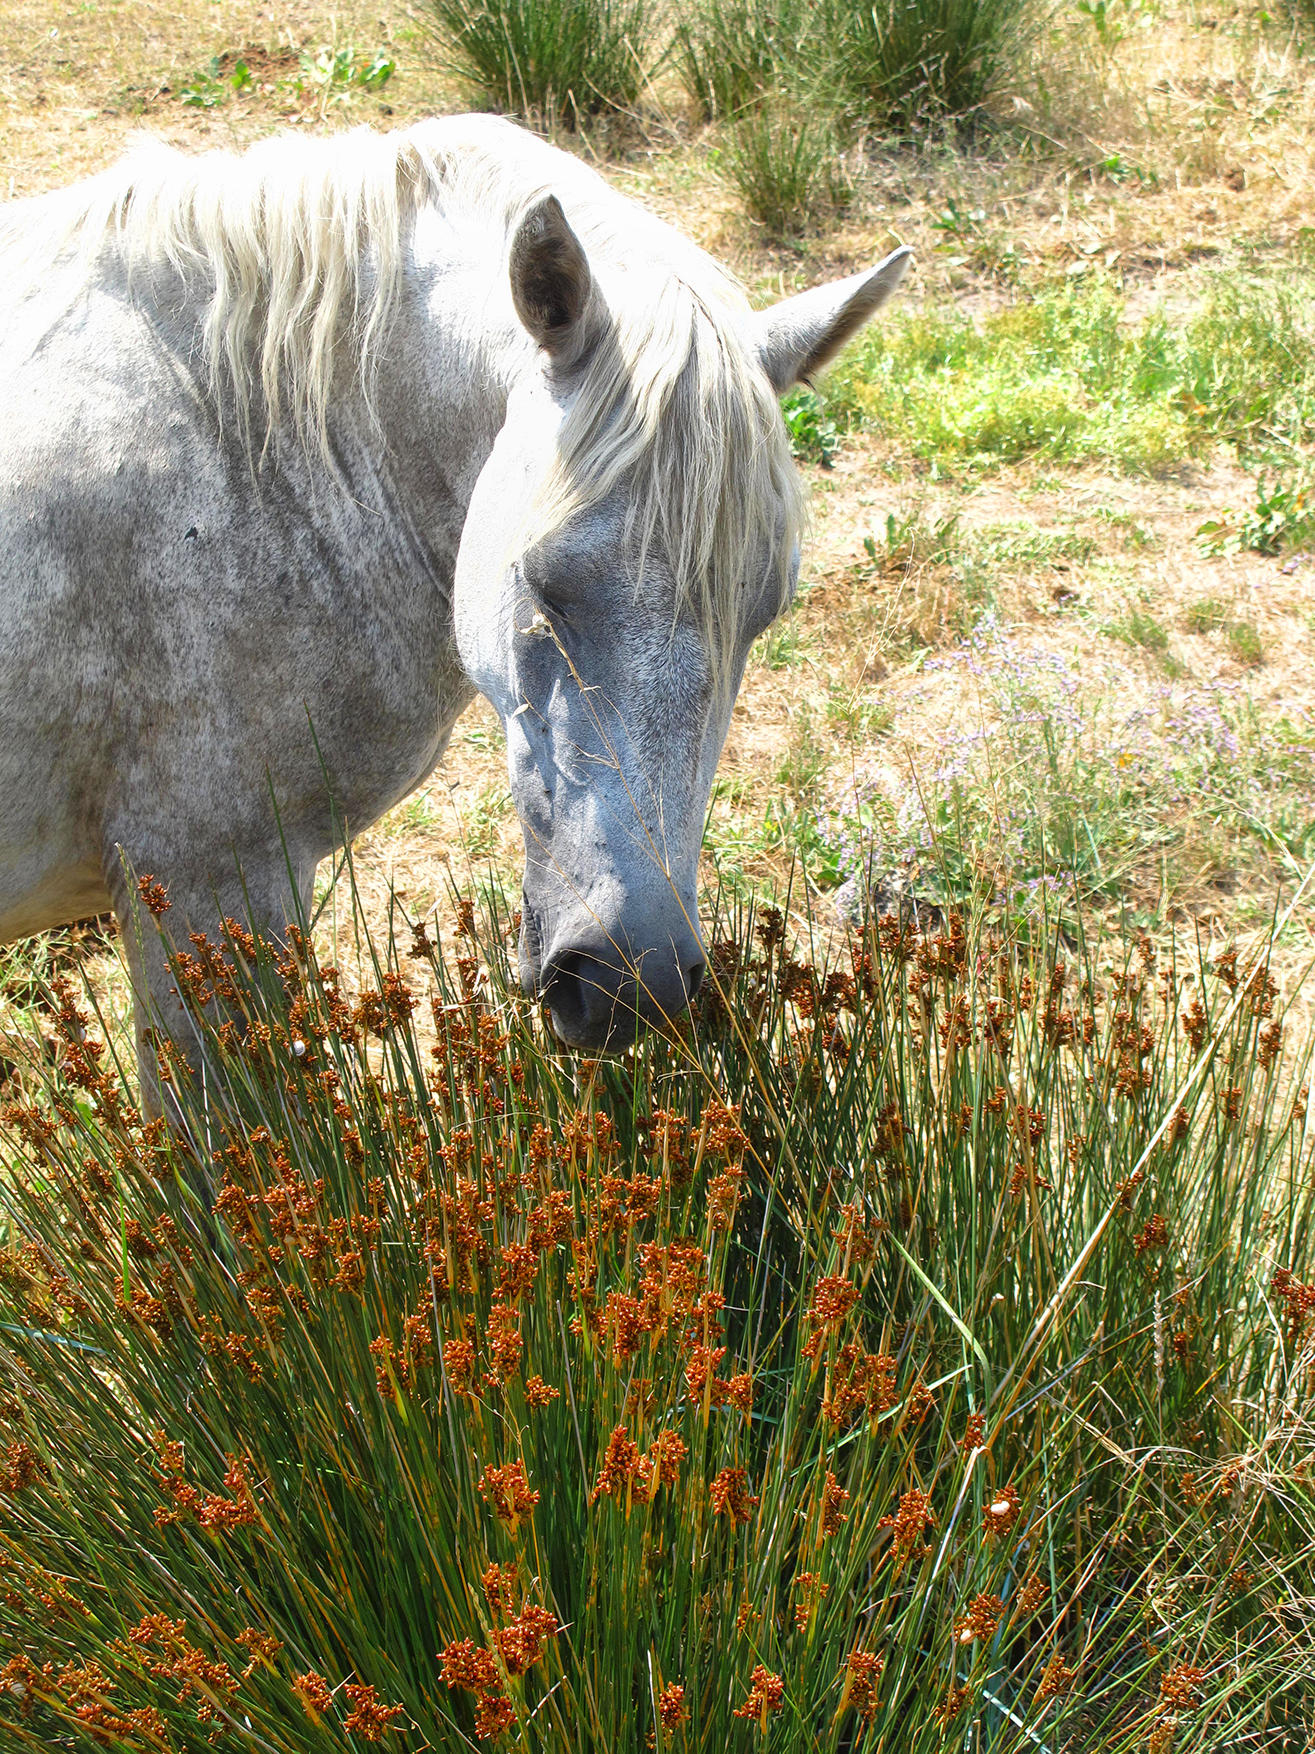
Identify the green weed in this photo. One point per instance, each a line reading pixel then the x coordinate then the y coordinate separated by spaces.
pixel 804 760
pixel 328 75
pixel 205 90
pixel 813 435
pixel 782 646
pixel 484 738
pixel 1113 21
pixel 1282 516
pixel 858 717
pixel 482 820
pixel 913 540
pixel 415 815
pixel 1206 615
pixel 1019 544
pixel 1211 615
pixel 1245 643
pixel 1140 628
pixel 336 76
pixel 1135 534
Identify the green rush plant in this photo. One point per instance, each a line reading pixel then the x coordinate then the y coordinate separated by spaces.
pixel 553 60
pixel 912 1349
pixel 730 54
pixel 876 63
pixel 784 161
pixel 899 62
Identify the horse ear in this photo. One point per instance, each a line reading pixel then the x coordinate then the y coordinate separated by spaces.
pixel 550 278
pixel 796 337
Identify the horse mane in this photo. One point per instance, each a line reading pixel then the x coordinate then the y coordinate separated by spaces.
pixel 298 247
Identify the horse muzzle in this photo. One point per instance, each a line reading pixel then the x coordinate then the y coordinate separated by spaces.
pixel 600 989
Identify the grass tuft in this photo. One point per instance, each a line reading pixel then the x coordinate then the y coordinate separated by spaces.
pixel 1140 628
pixel 1245 644
pixel 888 64
pixel 554 61
pixel 786 164
pixel 730 54
pixel 903 62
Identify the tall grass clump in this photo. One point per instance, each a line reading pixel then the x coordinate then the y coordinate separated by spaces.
pixel 887 64
pixel 787 166
pixel 753 65
pixel 797 83
pixel 731 54
pixel 903 62
pixel 555 61
pixel 913 1350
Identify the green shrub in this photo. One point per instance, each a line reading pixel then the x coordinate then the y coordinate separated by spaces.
pixel 813 435
pixel 903 1342
pixel 556 60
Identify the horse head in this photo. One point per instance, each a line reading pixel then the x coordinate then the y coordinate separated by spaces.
pixel 632 533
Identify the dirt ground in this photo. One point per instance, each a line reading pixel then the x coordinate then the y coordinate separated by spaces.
pixel 1179 151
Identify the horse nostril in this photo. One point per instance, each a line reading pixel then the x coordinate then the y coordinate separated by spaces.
pixel 593 1002
pixel 565 995
pixel 586 998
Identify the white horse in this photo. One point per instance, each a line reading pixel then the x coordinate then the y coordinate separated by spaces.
pixel 302 447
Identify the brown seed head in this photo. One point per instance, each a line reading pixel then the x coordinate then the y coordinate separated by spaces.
pixel 981 1620
pixel 1000 1512
pixel 1180 1688
pixel 766 1693
pixel 1057 1680
pixel 672 1710
pixel 731 1497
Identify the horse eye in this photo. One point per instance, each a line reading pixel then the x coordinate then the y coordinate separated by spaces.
pixel 556 609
